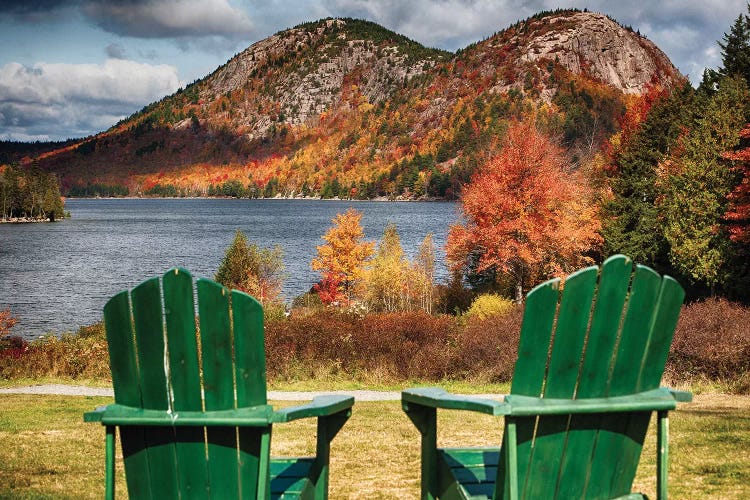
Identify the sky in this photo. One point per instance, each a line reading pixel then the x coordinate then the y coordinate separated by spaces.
pixel 72 68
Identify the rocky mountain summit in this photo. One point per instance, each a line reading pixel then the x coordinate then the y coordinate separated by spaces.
pixel 595 45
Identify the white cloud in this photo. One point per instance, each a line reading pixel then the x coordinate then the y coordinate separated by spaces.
pixel 71 100
pixel 170 18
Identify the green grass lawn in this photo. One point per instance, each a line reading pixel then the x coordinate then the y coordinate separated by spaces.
pixel 46 451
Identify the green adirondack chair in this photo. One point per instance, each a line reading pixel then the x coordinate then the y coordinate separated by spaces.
pixel 201 428
pixel 586 382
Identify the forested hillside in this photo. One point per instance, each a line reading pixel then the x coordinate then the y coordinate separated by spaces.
pixel 345 108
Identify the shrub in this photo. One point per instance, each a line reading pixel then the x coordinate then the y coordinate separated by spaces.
pixel 487 347
pixel 73 355
pixel 712 341
pixel 489 304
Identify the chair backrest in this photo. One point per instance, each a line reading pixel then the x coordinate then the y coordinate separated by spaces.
pixel 600 333
pixel 157 364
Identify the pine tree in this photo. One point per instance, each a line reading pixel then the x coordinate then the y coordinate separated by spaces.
pixel 735 49
pixel 696 182
pixel 631 221
pixel 254 270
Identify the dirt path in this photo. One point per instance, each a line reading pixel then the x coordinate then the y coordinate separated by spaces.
pixel 79 390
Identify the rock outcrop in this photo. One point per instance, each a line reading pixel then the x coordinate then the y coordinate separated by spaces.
pixel 592 44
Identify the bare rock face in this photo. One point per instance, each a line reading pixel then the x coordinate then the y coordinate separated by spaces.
pixel 592 44
pixel 306 70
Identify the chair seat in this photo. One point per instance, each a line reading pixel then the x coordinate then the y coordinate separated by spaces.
pixel 474 470
pixel 290 478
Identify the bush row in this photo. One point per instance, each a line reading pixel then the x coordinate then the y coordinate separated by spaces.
pixel 712 343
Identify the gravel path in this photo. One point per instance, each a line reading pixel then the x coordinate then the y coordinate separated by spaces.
pixel 79 390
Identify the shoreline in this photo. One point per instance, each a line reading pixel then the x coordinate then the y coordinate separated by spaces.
pixel 378 199
pixel 28 220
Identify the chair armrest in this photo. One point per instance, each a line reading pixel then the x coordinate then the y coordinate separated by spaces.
pixel 681 396
pixel 320 406
pixel 435 397
pixel 95 415
pixel 523 406
pixel 116 414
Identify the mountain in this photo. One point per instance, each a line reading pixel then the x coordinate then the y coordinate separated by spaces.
pixel 343 107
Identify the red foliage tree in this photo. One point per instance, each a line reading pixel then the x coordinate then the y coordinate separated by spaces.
pixel 738 215
pixel 527 215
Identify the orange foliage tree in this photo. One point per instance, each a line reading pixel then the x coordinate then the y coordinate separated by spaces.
pixel 738 215
pixel 7 321
pixel 526 213
pixel 341 259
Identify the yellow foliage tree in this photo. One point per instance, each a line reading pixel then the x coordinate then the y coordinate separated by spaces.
pixel 387 278
pixel 341 259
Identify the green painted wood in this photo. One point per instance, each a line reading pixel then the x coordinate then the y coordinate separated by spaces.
pixel 250 373
pixel 473 470
pixel 149 336
pixel 620 439
pixel 635 331
pixel 601 381
pixel 536 330
pixel 614 282
pixel 249 349
pixel 184 377
pixel 530 368
pixel 565 361
pixel 218 386
pixel 126 384
pixel 666 309
pixel 669 303
pixel 662 455
pixel 290 478
pixel 109 463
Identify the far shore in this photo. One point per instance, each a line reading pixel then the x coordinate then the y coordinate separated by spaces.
pixel 279 198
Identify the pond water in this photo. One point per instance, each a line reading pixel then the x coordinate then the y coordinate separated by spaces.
pixel 56 277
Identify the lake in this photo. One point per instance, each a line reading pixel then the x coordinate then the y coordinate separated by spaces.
pixel 57 276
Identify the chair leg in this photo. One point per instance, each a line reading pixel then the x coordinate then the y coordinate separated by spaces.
pixel 511 460
pixel 662 456
pixel 109 466
pixel 425 419
pixel 328 427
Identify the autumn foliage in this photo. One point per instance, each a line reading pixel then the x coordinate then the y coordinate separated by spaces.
pixel 526 213
pixel 341 259
pixel 738 215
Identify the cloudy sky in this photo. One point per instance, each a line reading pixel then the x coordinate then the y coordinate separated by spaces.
pixel 71 68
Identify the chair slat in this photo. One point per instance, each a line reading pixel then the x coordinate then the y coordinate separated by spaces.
pixel 614 282
pixel 671 297
pixel 126 383
pixel 528 378
pixel 250 372
pixel 149 336
pixel 184 377
pixel 218 385
pixel 536 330
pixel 654 357
pixel 565 362
pixel 622 435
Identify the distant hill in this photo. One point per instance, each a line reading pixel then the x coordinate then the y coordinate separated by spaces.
pixel 343 107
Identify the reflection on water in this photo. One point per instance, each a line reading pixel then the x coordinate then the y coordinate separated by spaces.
pixel 56 277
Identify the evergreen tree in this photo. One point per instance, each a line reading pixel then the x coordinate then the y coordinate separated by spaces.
pixel 254 270
pixel 696 182
pixel 735 49
pixel 631 221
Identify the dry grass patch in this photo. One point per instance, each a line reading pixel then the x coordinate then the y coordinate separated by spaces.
pixel 46 451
